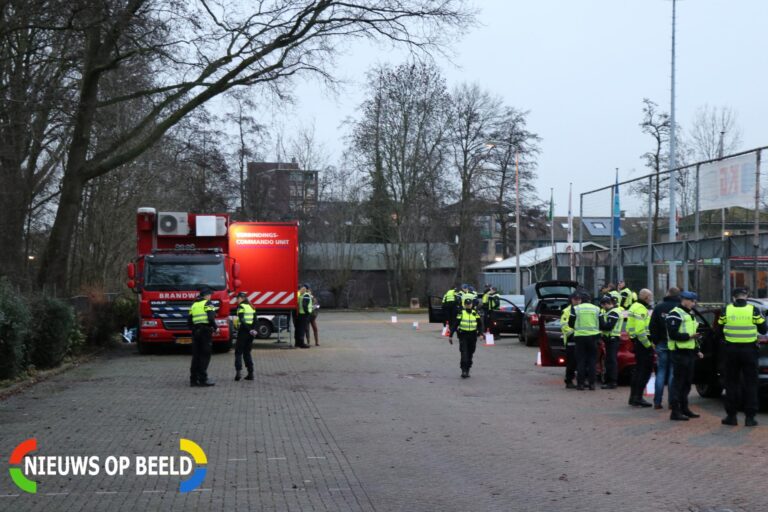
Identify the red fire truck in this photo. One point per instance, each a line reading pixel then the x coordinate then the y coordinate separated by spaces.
pixel 178 253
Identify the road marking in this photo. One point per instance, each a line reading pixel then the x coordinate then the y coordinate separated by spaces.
pixel 332 490
pixel 315 457
pixel 106 492
pixel 201 490
pixel 236 460
pixel 8 495
pixel 276 458
pixel 56 493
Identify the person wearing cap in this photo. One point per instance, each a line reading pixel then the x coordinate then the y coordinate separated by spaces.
pixel 683 345
pixel 741 324
pixel 658 335
pixel 450 301
pixel 469 326
pixel 491 302
pixel 301 320
pixel 246 319
pixel 568 341
pixel 638 320
pixel 202 321
pixel 584 319
pixel 611 325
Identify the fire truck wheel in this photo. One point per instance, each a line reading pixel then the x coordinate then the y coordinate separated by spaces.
pixel 264 329
pixel 144 348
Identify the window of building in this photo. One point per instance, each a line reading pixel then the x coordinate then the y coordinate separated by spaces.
pixel 564 225
pixel 598 225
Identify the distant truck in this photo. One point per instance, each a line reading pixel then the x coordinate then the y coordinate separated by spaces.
pixel 178 253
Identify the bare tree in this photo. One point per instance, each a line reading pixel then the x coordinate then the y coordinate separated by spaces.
pixel 196 53
pixel 711 127
pixel 655 123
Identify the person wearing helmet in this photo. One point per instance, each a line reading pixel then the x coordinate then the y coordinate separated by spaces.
pixel 246 317
pixel 469 326
pixel 611 325
pixel 202 321
pixel 741 324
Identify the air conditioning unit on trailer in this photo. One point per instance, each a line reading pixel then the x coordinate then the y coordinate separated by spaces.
pixel 172 223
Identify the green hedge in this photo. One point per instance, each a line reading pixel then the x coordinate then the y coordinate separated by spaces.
pixel 15 319
pixel 51 333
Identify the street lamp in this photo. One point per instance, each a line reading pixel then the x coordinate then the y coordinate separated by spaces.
pixel 492 145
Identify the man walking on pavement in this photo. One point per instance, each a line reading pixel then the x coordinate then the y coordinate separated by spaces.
pixel 584 319
pixel 638 320
pixel 741 323
pixel 570 344
pixel 611 325
pixel 202 321
pixel 469 326
pixel 683 345
pixel 658 335
pixel 246 316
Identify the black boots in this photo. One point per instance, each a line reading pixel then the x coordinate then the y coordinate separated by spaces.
pixel 691 414
pixel 729 420
pixel 678 416
pixel 608 386
pixel 250 375
pixel 237 375
pixel 570 385
pixel 464 373
pixel 639 401
pixel 750 422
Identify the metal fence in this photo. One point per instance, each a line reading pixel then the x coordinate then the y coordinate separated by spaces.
pixel 716 243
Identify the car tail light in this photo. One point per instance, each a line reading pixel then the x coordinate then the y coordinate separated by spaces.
pixel 764 369
pixel 534 319
pixel 560 360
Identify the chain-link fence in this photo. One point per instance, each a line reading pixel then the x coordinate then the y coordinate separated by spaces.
pixel 711 243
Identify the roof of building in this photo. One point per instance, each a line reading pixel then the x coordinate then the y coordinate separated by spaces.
pixel 358 256
pixel 533 257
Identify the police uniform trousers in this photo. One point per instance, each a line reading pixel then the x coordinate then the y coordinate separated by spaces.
pixel 301 323
pixel 611 359
pixel 682 377
pixel 451 312
pixel 570 360
pixel 201 353
pixel 467 346
pixel 586 358
pixel 243 346
pixel 741 378
pixel 643 369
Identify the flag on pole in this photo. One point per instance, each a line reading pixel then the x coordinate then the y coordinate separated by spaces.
pixel 569 247
pixel 616 210
pixel 551 216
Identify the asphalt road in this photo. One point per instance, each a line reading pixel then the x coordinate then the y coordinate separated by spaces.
pixel 376 418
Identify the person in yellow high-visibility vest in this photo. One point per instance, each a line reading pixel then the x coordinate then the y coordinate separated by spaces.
pixel 568 341
pixel 202 321
pixel 246 317
pixel 584 319
pixel 611 324
pixel 638 322
pixel 469 326
pixel 741 324
pixel 683 344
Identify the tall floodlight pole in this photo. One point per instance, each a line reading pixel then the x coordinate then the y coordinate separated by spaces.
pixel 672 160
pixel 518 286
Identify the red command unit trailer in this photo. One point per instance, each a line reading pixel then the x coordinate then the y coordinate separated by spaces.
pixel 179 253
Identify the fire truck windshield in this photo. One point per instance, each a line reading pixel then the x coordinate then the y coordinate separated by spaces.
pixel 184 274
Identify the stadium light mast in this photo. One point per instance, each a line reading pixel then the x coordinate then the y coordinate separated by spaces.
pixel 672 153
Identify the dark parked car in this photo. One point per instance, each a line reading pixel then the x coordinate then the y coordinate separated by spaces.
pixel 544 303
pixel 709 376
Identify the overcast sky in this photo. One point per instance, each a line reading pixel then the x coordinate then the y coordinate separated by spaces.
pixel 582 69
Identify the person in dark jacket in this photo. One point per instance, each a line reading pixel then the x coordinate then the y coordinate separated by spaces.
pixel 468 325
pixel 658 330
pixel 611 325
pixel 246 317
pixel 202 321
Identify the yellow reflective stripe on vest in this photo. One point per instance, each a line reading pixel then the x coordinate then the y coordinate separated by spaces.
pixel 740 324
pixel 247 311
pixel 587 320
pixel 199 311
pixel 619 327
pixel 468 320
pixel 689 326
pixel 449 296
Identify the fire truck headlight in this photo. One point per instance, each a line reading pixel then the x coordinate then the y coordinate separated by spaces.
pixel 149 323
pixel 222 322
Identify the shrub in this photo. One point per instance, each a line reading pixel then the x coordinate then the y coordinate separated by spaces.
pixel 125 312
pixel 14 321
pixel 51 333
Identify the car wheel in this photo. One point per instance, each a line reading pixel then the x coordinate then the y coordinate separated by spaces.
pixel 264 329
pixel 531 339
pixel 709 389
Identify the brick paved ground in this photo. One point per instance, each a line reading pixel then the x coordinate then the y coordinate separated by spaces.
pixel 377 419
